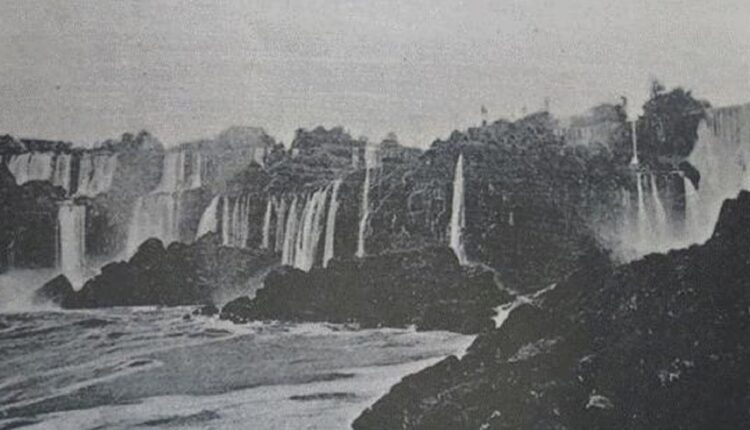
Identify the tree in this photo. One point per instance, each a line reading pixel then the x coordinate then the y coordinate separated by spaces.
pixel 669 124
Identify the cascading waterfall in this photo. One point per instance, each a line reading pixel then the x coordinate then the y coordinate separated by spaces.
pixel 32 166
pixel 159 213
pixel 209 221
pixel 71 220
pixel 661 227
pixel 305 227
pixel 290 234
pixel 650 226
pixel 722 156
pixel 62 172
pixel 308 242
pixel 365 211
pixel 235 221
pixel 692 206
pixel 96 173
pixel 328 247
pixel 266 241
pixel 281 211
pixel 634 140
pixel 173 172
pixel 643 222
pixel 458 219
pixel 196 171
pixel 225 218
pixel 155 215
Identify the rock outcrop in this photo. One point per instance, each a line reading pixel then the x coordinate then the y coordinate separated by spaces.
pixel 56 291
pixel 658 343
pixel 177 275
pixel 426 288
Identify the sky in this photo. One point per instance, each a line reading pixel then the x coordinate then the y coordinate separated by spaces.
pixel 85 71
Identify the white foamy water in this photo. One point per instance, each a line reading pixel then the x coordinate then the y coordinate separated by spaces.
pixel 125 368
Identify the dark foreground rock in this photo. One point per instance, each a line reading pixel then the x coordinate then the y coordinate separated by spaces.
pixel 426 288
pixel 177 275
pixel 55 291
pixel 663 342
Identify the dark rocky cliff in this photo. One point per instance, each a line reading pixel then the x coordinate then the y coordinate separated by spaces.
pixel 658 343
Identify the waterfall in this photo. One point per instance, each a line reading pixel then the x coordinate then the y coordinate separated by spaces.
pixel 365 211
pixel 196 171
pixel 235 221
pixel 660 224
pixel 722 156
pixel 159 214
pixel 155 215
pixel 281 210
pixel 287 255
pixel 625 226
pixel 458 220
pixel 209 219
pixel 31 166
pixel 225 217
pixel 692 207
pixel 328 248
pixel 172 173
pixel 62 172
pixel 642 220
pixel 305 227
pixel 96 173
pixel 308 242
pixel 71 220
pixel 634 140
pixel 175 176
pixel 266 243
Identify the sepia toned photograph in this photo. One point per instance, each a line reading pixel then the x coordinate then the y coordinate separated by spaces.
pixel 374 215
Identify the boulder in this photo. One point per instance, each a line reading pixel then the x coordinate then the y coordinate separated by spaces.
pixel 57 291
pixel 426 288
pixel 176 276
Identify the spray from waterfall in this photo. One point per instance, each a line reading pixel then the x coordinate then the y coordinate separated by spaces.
pixel 458 217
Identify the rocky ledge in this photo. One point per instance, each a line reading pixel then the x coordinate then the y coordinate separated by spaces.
pixel 426 288
pixel 663 342
pixel 173 276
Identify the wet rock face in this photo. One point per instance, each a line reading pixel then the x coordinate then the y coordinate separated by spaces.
pixel 658 343
pixel 426 288
pixel 175 276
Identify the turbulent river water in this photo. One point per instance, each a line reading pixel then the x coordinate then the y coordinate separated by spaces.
pixel 154 368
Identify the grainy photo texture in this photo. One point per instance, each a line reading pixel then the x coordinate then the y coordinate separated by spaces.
pixel 374 215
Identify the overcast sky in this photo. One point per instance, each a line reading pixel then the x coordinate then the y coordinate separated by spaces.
pixel 89 70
